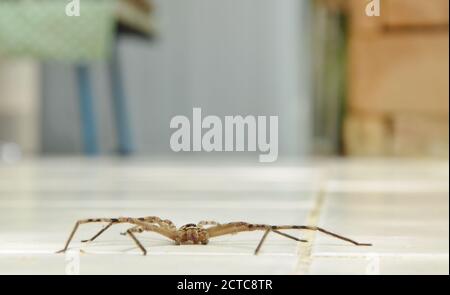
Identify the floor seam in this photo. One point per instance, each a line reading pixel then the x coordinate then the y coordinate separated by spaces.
pixel 304 250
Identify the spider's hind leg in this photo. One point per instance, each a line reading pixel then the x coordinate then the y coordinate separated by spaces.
pixel 84 221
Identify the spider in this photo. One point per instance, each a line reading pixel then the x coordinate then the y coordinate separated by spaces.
pixel 195 233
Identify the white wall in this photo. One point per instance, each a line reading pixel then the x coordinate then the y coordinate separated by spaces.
pixel 228 57
pixel 232 57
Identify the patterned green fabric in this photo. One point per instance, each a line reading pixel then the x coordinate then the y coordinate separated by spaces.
pixel 41 29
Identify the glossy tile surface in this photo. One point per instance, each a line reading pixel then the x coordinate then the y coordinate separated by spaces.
pixel 399 206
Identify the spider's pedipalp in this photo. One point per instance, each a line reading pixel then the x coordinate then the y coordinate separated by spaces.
pixel 192 234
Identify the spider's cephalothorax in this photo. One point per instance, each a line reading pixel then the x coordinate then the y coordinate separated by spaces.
pixel 191 234
pixel 196 233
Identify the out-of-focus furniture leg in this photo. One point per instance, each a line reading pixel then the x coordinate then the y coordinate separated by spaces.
pixel 120 109
pixel 87 112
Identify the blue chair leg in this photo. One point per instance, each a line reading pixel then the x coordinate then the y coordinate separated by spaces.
pixel 124 137
pixel 88 122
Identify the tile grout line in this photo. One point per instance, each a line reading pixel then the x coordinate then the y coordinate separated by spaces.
pixel 304 250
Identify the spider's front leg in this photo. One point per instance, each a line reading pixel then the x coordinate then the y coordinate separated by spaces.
pixel 170 233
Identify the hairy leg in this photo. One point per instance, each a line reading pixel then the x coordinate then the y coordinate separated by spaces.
pixel 84 221
pixel 149 219
pixel 99 233
pixel 289 236
pixel 166 226
pixel 236 227
pixel 136 241
pixel 315 228
pixel 266 233
pixel 204 223
pixel 149 227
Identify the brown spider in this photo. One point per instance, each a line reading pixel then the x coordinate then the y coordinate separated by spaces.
pixel 195 233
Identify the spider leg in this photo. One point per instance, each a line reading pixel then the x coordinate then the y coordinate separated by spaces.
pixel 162 223
pixel 166 226
pixel 138 243
pixel 266 233
pixel 202 223
pixel 236 227
pixel 142 226
pixel 148 219
pixel 233 228
pixel 99 233
pixel 133 229
pixel 289 236
pixel 315 228
pixel 84 221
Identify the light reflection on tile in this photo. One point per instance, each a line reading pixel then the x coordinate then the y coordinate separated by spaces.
pixel 400 206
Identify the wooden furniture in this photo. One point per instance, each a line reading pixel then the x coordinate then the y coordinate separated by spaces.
pixel 398 91
pixel 135 14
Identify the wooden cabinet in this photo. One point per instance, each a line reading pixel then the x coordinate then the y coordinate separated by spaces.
pixel 398 15
pixel 415 13
pixel 398 73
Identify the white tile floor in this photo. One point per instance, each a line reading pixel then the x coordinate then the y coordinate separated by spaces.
pixel 400 206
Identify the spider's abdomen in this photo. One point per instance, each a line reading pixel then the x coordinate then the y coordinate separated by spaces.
pixel 192 234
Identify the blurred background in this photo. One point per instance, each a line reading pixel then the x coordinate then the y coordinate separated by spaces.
pixel 108 82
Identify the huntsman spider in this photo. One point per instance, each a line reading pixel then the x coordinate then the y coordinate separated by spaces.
pixel 195 233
